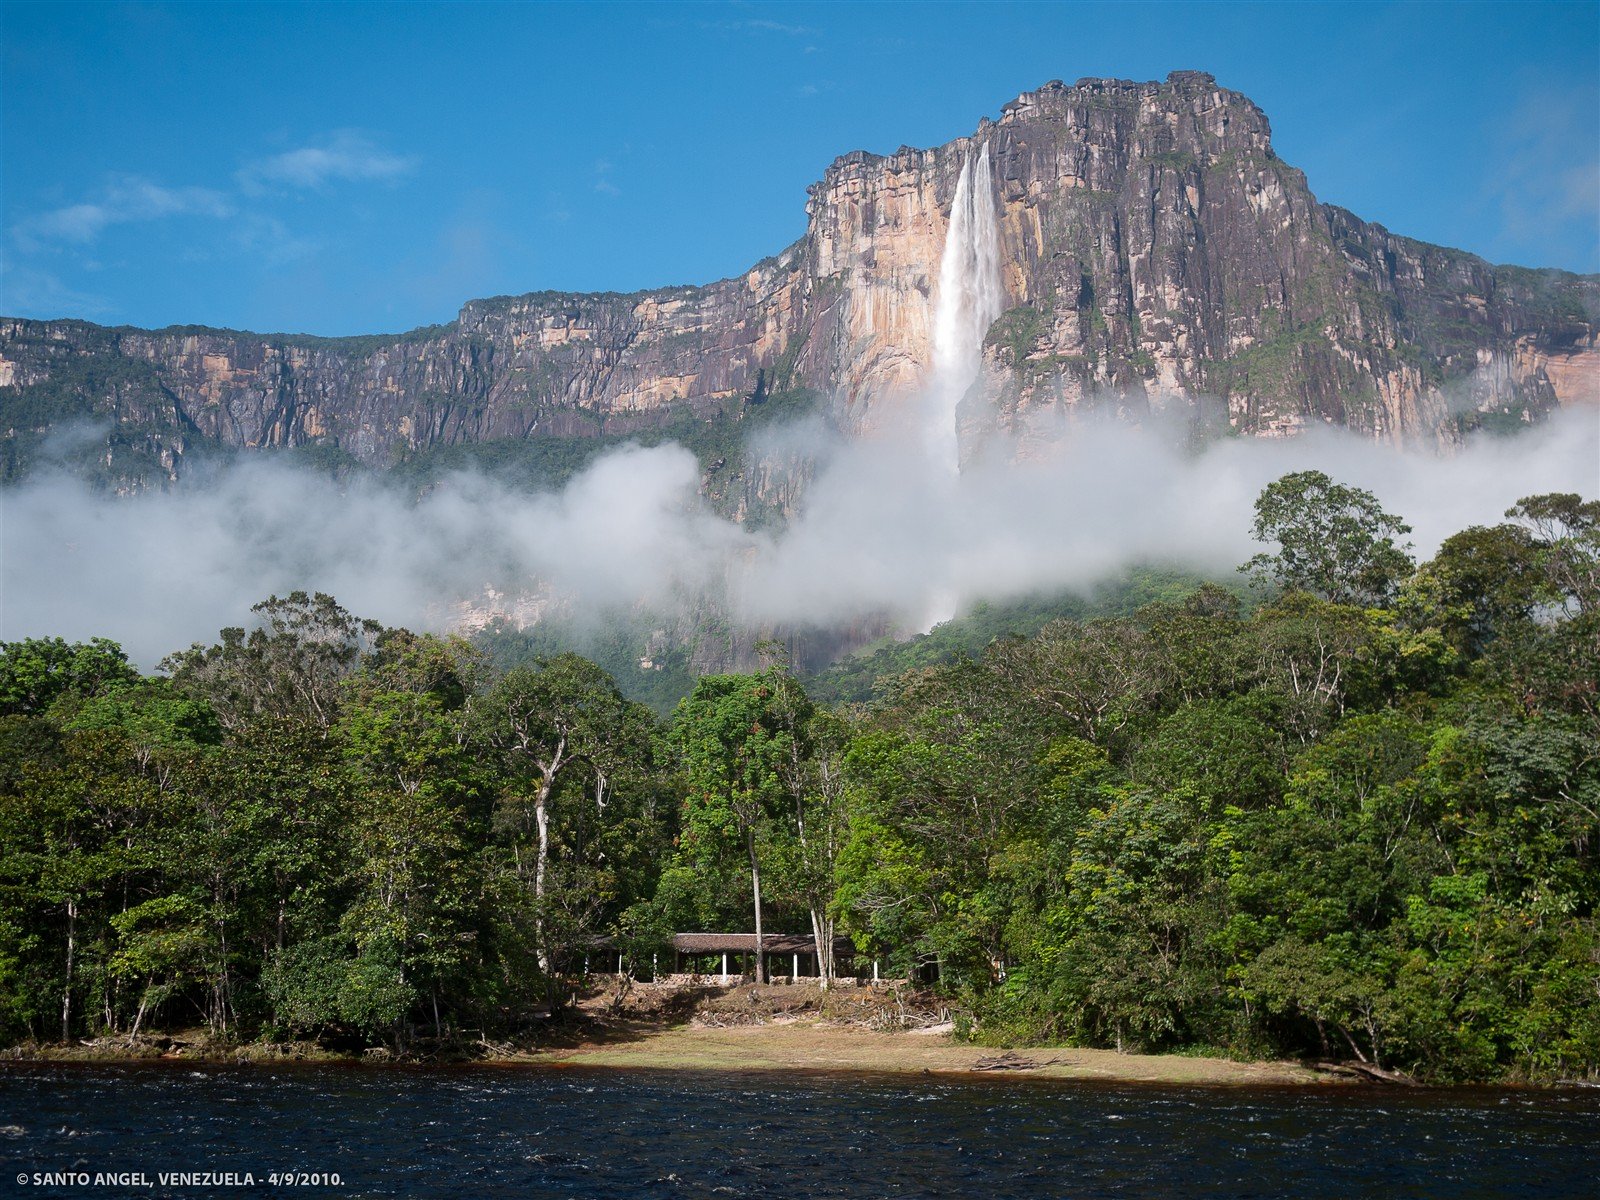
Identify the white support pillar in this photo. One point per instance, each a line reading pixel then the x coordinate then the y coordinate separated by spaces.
pixel 654 975
pixel 874 970
pixel 724 966
pixel 795 973
pixel 619 962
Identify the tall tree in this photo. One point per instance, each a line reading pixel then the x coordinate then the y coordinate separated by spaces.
pixel 288 667
pixel 1334 541
pixel 560 719
pixel 738 739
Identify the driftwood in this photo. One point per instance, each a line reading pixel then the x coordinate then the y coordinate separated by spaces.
pixel 1361 1070
pixel 1012 1062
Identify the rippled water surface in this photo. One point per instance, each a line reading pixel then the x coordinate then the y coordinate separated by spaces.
pixel 547 1132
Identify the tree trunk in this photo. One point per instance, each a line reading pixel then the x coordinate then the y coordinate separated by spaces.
pixel 541 818
pixel 822 934
pixel 224 982
pixel 1354 1049
pixel 66 991
pixel 755 892
pixel 144 1007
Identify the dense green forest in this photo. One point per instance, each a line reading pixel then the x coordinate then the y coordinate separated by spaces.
pixel 1353 814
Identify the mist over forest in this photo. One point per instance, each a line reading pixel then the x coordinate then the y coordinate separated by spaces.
pixel 879 532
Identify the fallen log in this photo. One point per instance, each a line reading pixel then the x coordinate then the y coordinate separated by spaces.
pixel 1367 1071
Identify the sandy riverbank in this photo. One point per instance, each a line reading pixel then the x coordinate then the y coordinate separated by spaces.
pixel 810 1046
pixel 787 1046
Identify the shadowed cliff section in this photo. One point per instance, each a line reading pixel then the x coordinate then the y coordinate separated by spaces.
pixel 1155 253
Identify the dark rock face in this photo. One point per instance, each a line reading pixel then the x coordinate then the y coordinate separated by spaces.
pixel 1156 253
pixel 1176 256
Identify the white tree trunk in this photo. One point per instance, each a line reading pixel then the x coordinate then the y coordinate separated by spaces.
pixel 541 819
pixel 755 892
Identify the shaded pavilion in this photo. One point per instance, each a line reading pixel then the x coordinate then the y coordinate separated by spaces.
pixel 721 953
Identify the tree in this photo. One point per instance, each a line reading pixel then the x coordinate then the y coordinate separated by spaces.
pixel 36 672
pixel 1316 655
pixel 1098 676
pixel 560 718
pixel 951 800
pixel 404 745
pixel 1333 541
pixel 821 825
pixel 1483 582
pixel 1135 959
pixel 737 739
pixel 288 667
pixel 1566 529
pixel 80 839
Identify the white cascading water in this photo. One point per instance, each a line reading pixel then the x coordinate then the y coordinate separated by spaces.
pixel 970 298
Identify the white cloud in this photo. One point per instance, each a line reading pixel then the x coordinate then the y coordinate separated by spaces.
pixel 125 199
pixel 344 157
pixel 270 240
pixel 128 199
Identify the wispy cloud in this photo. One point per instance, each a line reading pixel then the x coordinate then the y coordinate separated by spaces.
pixel 602 182
pixel 344 157
pixel 30 291
pixel 777 27
pixel 758 25
pixel 125 199
pixel 270 240
pixel 1548 162
pixel 883 532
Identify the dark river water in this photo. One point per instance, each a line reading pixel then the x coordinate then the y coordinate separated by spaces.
pixel 549 1132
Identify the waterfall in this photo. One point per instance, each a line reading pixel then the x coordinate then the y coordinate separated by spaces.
pixel 970 298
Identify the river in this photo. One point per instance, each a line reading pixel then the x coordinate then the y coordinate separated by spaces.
pixel 537 1132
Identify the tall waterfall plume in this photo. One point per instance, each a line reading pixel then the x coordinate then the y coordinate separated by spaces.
pixel 970 298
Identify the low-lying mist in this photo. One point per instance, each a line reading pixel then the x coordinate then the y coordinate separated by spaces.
pixel 882 531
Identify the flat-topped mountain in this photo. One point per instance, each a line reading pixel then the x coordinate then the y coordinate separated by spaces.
pixel 1152 251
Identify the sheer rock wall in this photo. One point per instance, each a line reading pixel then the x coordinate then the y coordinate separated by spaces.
pixel 1157 255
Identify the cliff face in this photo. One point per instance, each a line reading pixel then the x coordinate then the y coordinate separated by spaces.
pixel 1155 253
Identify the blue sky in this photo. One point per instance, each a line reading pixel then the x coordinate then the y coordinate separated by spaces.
pixel 343 168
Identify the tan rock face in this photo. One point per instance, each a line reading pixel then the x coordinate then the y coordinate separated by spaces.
pixel 1155 253
pixel 1573 370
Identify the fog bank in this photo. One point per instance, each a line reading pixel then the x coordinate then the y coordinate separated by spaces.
pixel 882 530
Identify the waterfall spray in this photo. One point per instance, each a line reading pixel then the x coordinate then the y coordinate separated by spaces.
pixel 970 298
